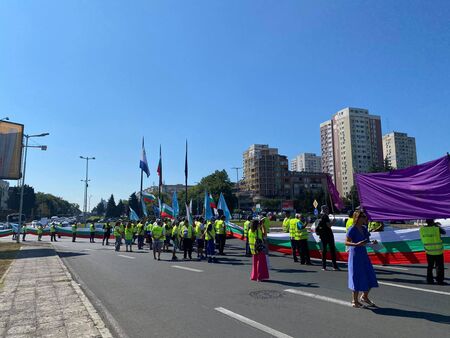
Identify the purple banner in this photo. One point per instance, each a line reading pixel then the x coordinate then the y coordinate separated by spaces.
pixel 337 201
pixel 418 192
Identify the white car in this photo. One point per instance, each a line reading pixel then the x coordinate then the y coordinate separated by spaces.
pixel 337 223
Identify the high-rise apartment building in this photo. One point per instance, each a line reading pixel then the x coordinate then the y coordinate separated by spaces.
pixel 265 171
pixel 351 143
pixel 400 150
pixel 307 162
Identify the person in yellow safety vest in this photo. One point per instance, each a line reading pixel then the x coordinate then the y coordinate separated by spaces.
pixel 158 235
pixel 349 222
pixel 221 235
pixel 247 224
pixel 303 242
pixel 129 230
pixel 175 239
pixel 74 231
pixel 200 236
pixel 210 235
pixel 287 217
pixel 140 234
pixel 40 230
pixel 117 235
pixel 430 234
pixel 260 270
pixel 188 234
pixel 53 232
pixel 92 233
pixel 148 230
pixel 168 231
pixel 266 225
pixel 294 235
pixel 122 231
pixel 375 226
pixel 267 220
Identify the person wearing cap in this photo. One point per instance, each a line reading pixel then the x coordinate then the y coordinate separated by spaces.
pixel 323 230
pixel 430 234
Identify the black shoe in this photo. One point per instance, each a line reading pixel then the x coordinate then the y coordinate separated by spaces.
pixel 442 283
pixel 430 281
pixel 295 260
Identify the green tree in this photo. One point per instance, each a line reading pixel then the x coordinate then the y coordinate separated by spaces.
pixel 29 199
pixel 111 208
pixel 99 208
pixel 120 209
pixel 133 203
pixel 48 205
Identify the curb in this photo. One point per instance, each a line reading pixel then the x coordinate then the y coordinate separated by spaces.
pixel 98 322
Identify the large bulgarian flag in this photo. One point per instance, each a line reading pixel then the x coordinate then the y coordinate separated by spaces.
pixel 148 197
pixel 167 211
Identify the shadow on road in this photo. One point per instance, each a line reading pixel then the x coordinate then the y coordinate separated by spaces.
pixel 65 254
pixel 432 317
pixel 291 284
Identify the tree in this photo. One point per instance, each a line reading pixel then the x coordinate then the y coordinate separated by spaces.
pixel 111 208
pixel 120 209
pixel 48 205
pixel 133 203
pixel 100 208
pixel 29 199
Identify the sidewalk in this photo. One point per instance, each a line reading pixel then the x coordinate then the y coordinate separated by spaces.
pixel 40 299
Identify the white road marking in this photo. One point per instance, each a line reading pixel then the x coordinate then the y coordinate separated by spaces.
pixel 414 288
pixel 87 250
pixel 64 246
pixel 390 267
pixel 319 297
pixel 252 323
pixel 126 256
pixel 186 268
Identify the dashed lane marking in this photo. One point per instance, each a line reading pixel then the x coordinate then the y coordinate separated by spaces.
pixel 319 297
pixel 186 268
pixel 126 256
pixel 415 288
pixel 252 323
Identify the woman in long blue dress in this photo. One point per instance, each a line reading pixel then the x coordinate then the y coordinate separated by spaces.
pixel 361 275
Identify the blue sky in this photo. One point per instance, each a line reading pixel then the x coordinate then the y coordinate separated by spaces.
pixel 99 75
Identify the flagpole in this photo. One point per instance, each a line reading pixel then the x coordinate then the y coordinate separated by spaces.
pixel 186 175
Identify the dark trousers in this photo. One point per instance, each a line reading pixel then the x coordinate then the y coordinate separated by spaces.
pixel 187 247
pixel 437 260
pixel 304 251
pixel 295 245
pixel 106 238
pixel 53 237
pixel 221 243
pixel 23 236
pixel 92 237
pixel 140 242
pixel 74 237
pixel 328 242
pixel 247 247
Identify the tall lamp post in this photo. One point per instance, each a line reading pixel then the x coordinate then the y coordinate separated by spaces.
pixel 26 146
pixel 86 185
pixel 237 188
pixel 4 119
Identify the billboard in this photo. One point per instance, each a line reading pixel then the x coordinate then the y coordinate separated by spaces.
pixel 11 135
pixel 287 205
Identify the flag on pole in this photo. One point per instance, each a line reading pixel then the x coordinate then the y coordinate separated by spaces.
pixel 186 164
pixel 190 205
pixel 175 206
pixel 144 207
pixel 133 215
pixel 222 205
pixel 189 215
pixel 334 194
pixel 166 211
pixel 143 163
pixel 207 207
pixel 213 205
pixel 147 197
pixel 159 169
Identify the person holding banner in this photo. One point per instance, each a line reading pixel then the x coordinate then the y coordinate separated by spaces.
pixel 323 230
pixel 361 275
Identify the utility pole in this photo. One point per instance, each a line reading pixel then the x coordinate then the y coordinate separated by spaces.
pixel 26 146
pixel 86 185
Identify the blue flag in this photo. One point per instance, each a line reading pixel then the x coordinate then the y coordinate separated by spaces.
pixel 144 207
pixel 143 163
pixel 222 205
pixel 207 206
pixel 133 215
pixel 175 206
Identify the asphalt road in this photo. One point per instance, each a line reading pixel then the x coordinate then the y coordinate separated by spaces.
pixel 141 297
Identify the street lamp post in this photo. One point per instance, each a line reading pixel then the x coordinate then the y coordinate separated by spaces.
pixel 86 185
pixel 4 119
pixel 26 146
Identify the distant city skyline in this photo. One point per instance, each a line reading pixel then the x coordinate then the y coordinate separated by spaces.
pixel 223 75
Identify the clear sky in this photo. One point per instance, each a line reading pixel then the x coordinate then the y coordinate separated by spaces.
pixel 99 75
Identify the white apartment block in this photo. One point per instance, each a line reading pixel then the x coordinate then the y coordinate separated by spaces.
pixel 307 162
pixel 400 150
pixel 355 138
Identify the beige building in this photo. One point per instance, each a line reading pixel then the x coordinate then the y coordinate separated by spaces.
pixel 307 162
pixel 265 171
pixel 400 150
pixel 351 143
